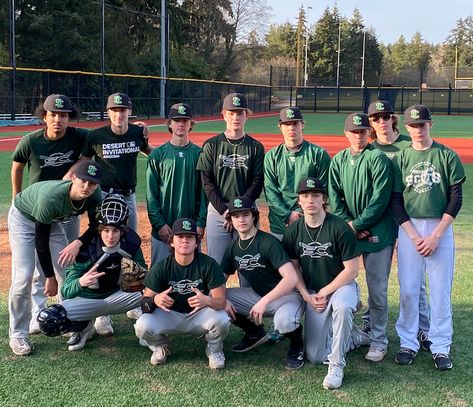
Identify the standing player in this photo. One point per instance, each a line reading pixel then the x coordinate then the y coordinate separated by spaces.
pixel 324 251
pixel 426 200
pixel 92 286
pixel 115 148
pixel 264 264
pixel 387 138
pixel 34 229
pixel 231 165
pixel 174 187
pixel 360 186
pixel 285 165
pixel 184 294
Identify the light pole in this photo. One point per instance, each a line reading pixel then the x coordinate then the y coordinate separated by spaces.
pixel 306 46
pixel 339 50
pixel 363 60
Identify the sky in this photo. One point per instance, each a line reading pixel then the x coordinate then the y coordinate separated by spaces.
pixel 433 19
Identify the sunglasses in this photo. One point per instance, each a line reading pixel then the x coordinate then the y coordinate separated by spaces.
pixel 384 117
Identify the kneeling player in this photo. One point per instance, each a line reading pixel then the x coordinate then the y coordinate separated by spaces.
pixel 93 285
pixel 184 294
pixel 262 261
pixel 324 251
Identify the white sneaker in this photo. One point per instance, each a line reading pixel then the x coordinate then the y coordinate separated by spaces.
pixel 216 359
pixel 83 337
pixel 134 313
pixel 334 377
pixel 376 354
pixel 21 346
pixel 34 327
pixel 160 354
pixel 103 325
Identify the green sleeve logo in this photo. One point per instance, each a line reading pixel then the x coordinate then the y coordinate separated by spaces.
pixel 186 225
pixel 236 101
pixel 237 203
pixel 415 114
pixel 379 106
pixel 117 99
pixel 290 113
pixel 181 110
pixel 356 120
pixel 92 170
pixel 59 103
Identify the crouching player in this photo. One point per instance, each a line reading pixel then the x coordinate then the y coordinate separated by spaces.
pixel 184 294
pixel 93 285
pixel 271 277
pixel 323 249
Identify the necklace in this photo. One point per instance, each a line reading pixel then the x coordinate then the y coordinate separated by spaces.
pixel 235 144
pixel 249 244
pixel 77 208
pixel 318 233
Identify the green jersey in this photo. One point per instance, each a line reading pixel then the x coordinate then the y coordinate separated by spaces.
pixel 320 251
pixel 257 260
pixel 283 169
pixel 424 176
pixel 174 186
pixel 49 202
pixel 49 159
pixel 360 188
pixel 203 273
pixel 234 166
pixel 391 150
pixel 116 154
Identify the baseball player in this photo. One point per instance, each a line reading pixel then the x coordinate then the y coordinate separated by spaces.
pixel 264 264
pixel 360 186
pixel 34 229
pixel 231 165
pixel 285 165
pixel 324 251
pixel 426 199
pixel 387 138
pixel 184 294
pixel 174 187
pixel 92 285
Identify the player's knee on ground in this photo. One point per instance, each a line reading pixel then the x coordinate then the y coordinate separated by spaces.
pixel 144 326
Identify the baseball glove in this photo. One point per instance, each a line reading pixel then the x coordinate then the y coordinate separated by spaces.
pixel 132 276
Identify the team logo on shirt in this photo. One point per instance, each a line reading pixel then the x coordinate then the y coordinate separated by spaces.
pixel 184 286
pixel 56 159
pixel 234 161
pixel 180 154
pixel 315 250
pixel 422 177
pixel 249 262
pixel 117 150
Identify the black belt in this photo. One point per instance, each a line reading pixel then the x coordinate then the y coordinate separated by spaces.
pixel 124 192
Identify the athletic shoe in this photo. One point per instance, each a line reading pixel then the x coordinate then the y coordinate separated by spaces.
pixel 82 337
pixel 21 346
pixel 103 325
pixel 216 359
pixel 34 327
pixel 442 361
pixel 249 342
pixel 275 337
pixel 405 356
pixel 423 339
pixel 376 354
pixel 74 338
pixel 295 358
pixel 365 327
pixel 334 377
pixel 134 313
pixel 160 354
pixel 359 337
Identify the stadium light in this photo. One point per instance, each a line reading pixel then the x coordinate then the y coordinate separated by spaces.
pixel 339 50
pixel 306 46
pixel 363 60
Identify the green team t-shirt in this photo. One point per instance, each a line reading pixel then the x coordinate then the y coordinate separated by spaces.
pixel 49 159
pixel 283 169
pixel 320 252
pixel 424 176
pixel 174 187
pixel 391 150
pixel 116 154
pixel 258 262
pixel 233 164
pixel 203 273
pixel 360 190
pixel 48 202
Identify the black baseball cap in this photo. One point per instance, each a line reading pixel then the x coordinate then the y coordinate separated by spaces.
pixel 119 100
pixel 380 107
pixel 357 121
pixel 310 184
pixel 235 101
pixel 290 114
pixel 88 170
pixel 57 103
pixel 417 114
pixel 184 226
pixel 241 204
pixel 180 111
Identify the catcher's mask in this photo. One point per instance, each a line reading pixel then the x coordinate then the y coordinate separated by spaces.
pixel 53 321
pixel 112 211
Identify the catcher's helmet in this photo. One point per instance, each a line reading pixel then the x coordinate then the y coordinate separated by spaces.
pixel 113 211
pixel 53 320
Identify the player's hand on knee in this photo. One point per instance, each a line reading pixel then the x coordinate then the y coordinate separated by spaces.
pixel 257 312
pixel 165 233
pixel 69 253
pixel 230 310
pixel 50 288
pixel 321 301
pixel 163 300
